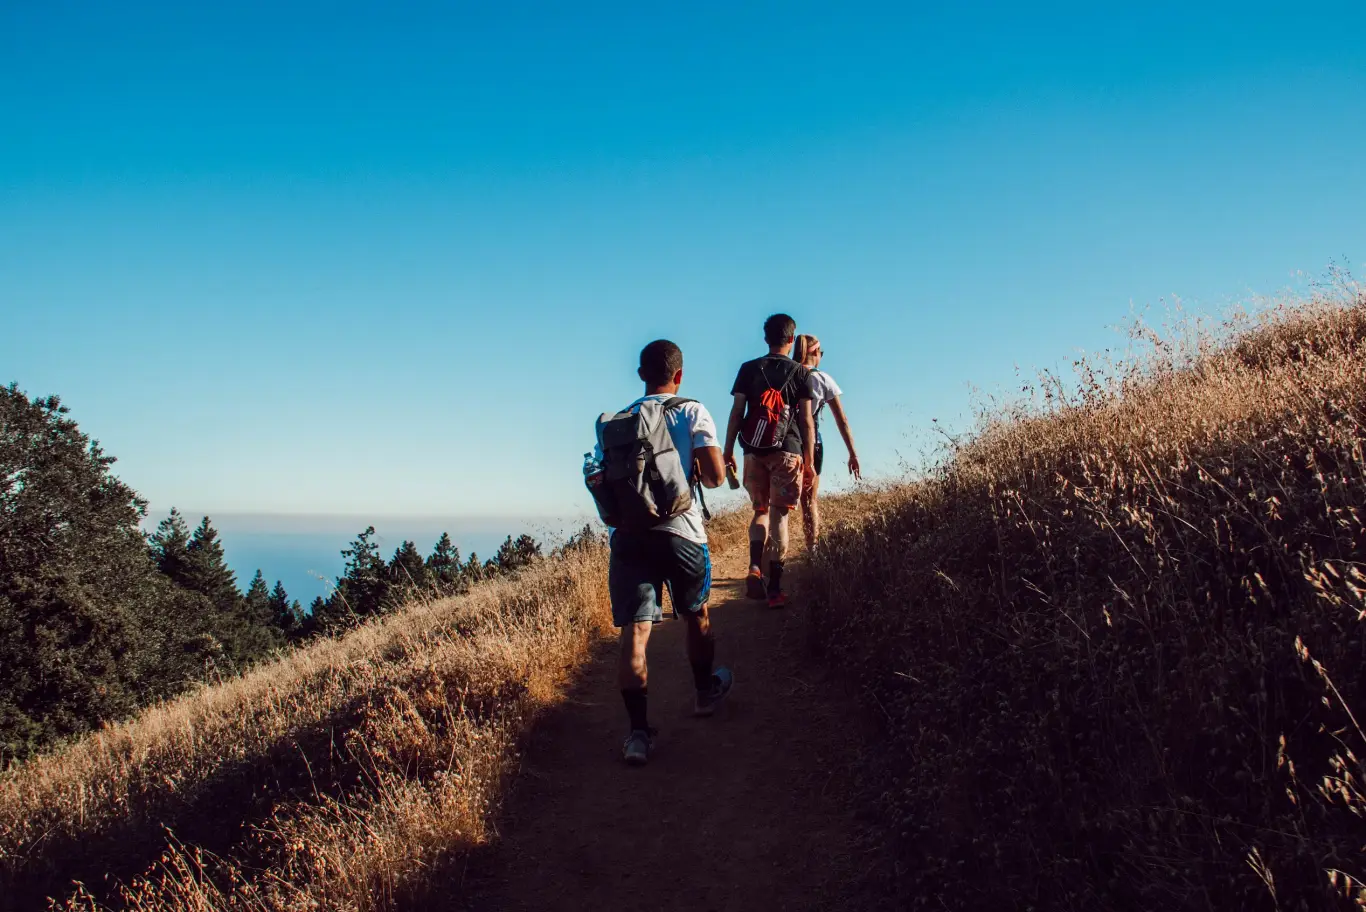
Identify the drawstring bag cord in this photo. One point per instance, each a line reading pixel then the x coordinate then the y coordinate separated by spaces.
pixel 701 499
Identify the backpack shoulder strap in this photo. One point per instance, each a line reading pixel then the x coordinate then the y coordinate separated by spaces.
pixel 694 484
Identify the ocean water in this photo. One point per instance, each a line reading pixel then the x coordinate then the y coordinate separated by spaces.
pixel 304 552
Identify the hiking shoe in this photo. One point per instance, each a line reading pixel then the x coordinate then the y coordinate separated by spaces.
pixel 636 750
pixel 708 700
pixel 754 584
pixel 777 599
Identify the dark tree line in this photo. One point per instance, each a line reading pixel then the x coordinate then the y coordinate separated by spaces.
pixel 369 585
pixel 98 618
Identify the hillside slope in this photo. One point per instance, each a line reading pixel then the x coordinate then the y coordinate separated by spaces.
pixel 347 775
pixel 1110 655
pixel 1116 641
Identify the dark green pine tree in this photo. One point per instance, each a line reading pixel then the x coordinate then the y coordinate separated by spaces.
pixel 474 570
pixel 207 572
pixel 443 566
pixel 286 616
pixel 516 555
pixel 206 623
pixel 228 618
pixel 407 570
pixel 170 545
pixel 252 633
pixel 256 606
pixel 363 589
pixel 310 621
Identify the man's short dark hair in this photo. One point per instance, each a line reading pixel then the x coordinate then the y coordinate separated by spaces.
pixel 779 328
pixel 659 361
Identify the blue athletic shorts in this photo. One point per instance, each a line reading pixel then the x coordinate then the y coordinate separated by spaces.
pixel 643 563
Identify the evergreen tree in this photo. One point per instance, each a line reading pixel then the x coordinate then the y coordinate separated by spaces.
pixel 250 632
pixel 208 572
pixel 310 622
pixel 473 571
pixel 238 624
pixel 363 589
pixel 170 547
pixel 286 616
pixel 209 623
pixel 256 606
pixel 443 566
pixel 515 555
pixel 87 624
pixel 407 569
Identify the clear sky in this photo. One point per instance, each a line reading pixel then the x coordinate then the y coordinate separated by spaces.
pixel 394 258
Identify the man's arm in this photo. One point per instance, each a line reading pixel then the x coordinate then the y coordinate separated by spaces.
pixel 737 416
pixel 808 422
pixel 711 470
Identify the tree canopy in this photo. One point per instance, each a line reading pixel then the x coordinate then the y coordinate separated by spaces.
pixel 98 618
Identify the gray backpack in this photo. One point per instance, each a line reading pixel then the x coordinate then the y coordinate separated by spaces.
pixel 643 481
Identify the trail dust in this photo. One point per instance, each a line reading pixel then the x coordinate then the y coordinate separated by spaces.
pixel 750 809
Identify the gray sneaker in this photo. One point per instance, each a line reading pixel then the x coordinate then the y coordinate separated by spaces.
pixel 708 700
pixel 636 750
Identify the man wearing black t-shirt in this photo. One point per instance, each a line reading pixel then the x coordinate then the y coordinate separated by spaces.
pixel 771 417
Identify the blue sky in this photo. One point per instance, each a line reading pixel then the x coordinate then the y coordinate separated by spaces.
pixel 341 258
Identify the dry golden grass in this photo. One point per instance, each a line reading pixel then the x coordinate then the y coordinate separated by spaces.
pixel 349 775
pixel 728 532
pixel 1116 640
pixel 1116 643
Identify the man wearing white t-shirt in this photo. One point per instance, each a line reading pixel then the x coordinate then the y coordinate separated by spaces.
pixel 672 553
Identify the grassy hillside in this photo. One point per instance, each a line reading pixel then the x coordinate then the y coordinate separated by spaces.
pixel 1115 643
pixel 355 773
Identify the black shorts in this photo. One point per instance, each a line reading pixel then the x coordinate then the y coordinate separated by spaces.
pixel 643 563
pixel 820 455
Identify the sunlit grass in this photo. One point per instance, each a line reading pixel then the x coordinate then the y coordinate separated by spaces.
pixel 1115 642
pixel 343 774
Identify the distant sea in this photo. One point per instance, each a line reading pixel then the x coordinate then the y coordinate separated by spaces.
pixel 304 552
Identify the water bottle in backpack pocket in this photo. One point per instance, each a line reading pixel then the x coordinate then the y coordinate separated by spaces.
pixel 769 414
pixel 642 480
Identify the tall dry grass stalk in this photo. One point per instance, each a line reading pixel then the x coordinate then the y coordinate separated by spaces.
pixel 1116 639
pixel 352 774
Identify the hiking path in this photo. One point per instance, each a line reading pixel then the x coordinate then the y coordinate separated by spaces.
pixel 750 809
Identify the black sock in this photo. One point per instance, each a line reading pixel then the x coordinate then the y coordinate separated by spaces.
pixel 635 700
pixel 756 553
pixel 775 575
pixel 701 666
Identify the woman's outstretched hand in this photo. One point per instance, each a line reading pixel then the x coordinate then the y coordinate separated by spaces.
pixel 854 468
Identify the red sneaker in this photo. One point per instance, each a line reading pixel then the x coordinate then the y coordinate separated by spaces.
pixel 754 584
pixel 777 599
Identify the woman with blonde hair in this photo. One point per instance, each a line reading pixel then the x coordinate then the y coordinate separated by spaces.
pixel 824 391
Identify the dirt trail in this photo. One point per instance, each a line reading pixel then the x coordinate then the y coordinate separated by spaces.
pixel 747 810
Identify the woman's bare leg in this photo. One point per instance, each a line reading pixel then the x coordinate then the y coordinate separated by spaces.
pixel 811 511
